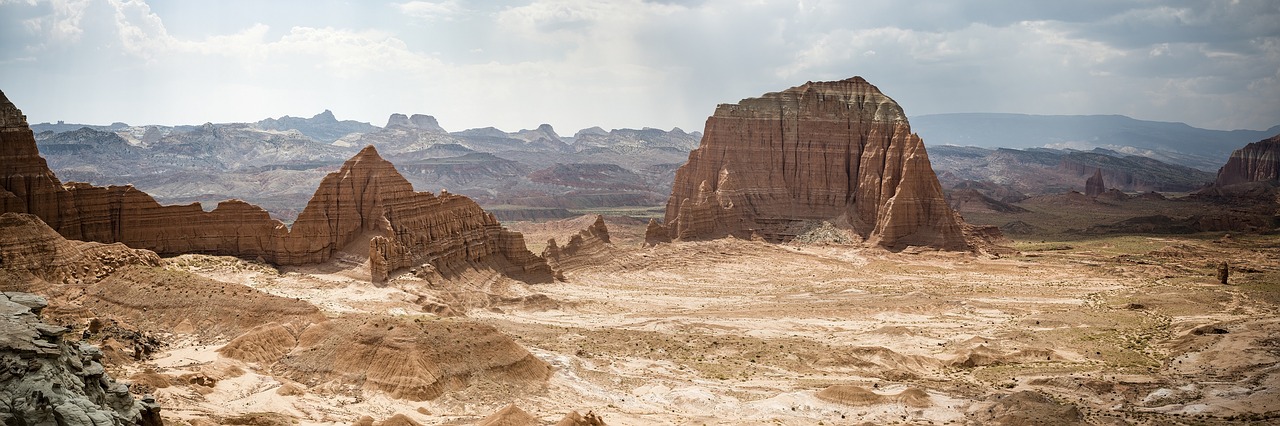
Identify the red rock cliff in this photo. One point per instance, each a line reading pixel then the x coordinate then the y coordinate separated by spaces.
pixel 819 151
pixel 366 203
pixel 1256 162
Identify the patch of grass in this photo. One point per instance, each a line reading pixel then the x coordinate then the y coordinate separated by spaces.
pixel 639 212
pixel 1003 373
pixel 1263 286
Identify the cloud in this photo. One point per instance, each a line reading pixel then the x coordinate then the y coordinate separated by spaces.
pixel 669 62
pixel 63 24
pixel 344 52
pixel 438 10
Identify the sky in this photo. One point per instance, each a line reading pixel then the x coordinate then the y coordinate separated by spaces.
pixel 632 63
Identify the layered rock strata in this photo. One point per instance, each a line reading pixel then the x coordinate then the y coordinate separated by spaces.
pixel 587 243
pixel 406 359
pixel 819 151
pixel 1256 162
pixel 48 380
pixel 366 203
pixel 30 250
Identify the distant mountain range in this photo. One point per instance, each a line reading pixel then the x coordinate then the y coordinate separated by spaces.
pixel 275 163
pixel 537 173
pixel 1009 175
pixel 1175 143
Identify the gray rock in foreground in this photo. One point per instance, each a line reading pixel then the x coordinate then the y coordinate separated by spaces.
pixel 47 380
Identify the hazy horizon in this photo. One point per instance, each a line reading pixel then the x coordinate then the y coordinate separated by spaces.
pixel 632 64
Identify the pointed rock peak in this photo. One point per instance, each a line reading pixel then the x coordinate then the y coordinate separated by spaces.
pixel 325 116
pixel 510 415
pixel 10 115
pixel 369 151
pixel 1094 185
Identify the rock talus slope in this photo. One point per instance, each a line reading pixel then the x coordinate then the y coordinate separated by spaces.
pixel 839 150
pixel 366 202
pixel 30 250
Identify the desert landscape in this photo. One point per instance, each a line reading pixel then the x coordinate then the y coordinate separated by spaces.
pixel 757 300
pixel 811 254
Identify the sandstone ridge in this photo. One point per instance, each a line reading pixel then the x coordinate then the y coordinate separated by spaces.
pixel 364 207
pixel 840 151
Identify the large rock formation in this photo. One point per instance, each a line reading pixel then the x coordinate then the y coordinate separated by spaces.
pixel 1094 186
pixel 365 207
pixel 840 151
pixel 590 242
pixel 1256 162
pixel 49 380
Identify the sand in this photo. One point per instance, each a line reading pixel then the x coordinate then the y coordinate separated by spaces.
pixel 741 332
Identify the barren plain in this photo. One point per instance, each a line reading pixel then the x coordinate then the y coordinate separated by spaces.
pixel 1110 330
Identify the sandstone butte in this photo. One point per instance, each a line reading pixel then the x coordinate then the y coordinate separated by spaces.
pixel 838 151
pixel 1256 162
pixel 365 205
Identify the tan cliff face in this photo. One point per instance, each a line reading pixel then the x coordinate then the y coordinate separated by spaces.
pixel 838 150
pixel 1256 162
pixel 366 203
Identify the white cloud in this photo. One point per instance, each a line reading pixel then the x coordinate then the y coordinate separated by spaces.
pixel 668 62
pixel 429 10
pixel 344 52
pixel 63 24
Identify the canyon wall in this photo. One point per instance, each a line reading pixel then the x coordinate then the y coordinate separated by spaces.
pixel 839 151
pixel 366 206
pixel 1256 162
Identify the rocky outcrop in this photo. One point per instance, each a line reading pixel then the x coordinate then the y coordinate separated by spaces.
pixel 368 199
pixel 46 379
pixel 577 419
pixel 1094 186
pixel 406 359
pixel 511 415
pixel 971 200
pixel 819 151
pixel 323 127
pixel 422 122
pixel 366 206
pixel 31 250
pixel 587 243
pixel 1256 162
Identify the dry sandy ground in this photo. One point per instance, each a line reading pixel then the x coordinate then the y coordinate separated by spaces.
pixel 1116 329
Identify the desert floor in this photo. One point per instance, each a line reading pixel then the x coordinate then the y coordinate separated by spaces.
pixel 1106 329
